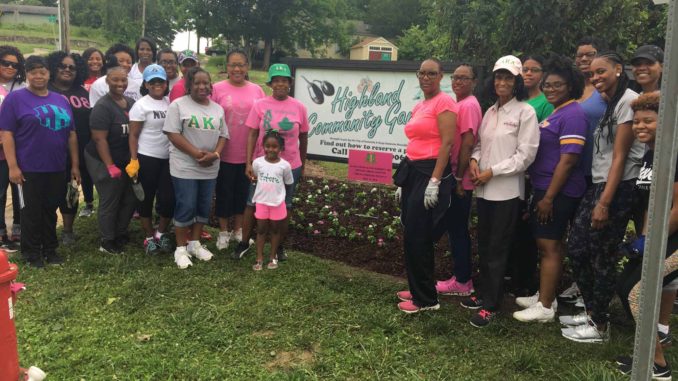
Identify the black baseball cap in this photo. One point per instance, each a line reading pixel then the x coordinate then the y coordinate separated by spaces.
pixel 650 52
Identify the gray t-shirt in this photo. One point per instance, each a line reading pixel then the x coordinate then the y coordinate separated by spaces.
pixel 201 126
pixel 603 148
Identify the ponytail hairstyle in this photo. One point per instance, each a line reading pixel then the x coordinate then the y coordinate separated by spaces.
pixel 609 121
pixel 190 77
pixel 275 134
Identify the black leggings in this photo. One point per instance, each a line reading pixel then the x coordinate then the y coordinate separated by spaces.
pixel 16 209
pixel 154 176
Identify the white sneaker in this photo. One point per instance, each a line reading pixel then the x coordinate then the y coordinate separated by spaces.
pixel 579 303
pixel 571 293
pixel 182 258
pixel 199 251
pixel 587 333
pixel 528 301
pixel 223 239
pixel 574 320
pixel 535 313
pixel 237 235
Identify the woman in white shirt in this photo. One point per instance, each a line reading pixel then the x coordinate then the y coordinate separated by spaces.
pixel 507 144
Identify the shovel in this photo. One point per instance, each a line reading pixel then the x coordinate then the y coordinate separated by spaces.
pixel 138 189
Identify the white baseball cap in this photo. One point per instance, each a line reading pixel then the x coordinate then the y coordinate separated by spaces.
pixel 510 63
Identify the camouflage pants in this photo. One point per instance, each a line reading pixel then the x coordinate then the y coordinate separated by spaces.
pixel 593 253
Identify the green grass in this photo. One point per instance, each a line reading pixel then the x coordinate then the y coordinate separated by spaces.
pixel 134 317
pixel 45 36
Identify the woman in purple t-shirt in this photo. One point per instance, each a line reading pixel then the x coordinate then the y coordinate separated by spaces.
pixel 557 182
pixel 37 131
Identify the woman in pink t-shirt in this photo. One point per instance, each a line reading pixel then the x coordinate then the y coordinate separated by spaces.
pixel 425 184
pixel 290 117
pixel 236 95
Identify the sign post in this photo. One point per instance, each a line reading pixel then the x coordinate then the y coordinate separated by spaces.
pixel 665 154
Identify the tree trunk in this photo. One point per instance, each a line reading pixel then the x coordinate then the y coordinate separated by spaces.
pixel 268 46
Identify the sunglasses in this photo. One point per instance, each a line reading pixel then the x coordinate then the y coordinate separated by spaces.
pixel 13 65
pixel 66 67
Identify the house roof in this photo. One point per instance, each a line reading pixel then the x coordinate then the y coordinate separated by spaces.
pixel 29 9
pixel 369 40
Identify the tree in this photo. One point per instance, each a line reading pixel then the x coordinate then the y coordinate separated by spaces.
pixel 390 18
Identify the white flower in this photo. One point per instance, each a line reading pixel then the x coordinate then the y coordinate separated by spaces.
pixel 373 190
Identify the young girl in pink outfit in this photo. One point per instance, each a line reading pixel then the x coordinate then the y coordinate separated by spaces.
pixel 273 176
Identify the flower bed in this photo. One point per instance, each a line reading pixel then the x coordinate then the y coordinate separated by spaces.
pixel 355 223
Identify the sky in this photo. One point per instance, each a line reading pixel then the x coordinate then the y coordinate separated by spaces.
pixel 181 42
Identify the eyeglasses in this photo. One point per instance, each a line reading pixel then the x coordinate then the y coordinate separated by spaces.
pixel 66 67
pixel 168 63
pixel 587 55
pixel 13 65
pixel 535 70
pixel 461 78
pixel 236 65
pixel 553 85
pixel 428 74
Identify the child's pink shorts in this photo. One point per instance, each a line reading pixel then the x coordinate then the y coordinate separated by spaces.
pixel 273 213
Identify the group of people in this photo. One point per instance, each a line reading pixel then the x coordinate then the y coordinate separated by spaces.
pixel 150 131
pixel 563 158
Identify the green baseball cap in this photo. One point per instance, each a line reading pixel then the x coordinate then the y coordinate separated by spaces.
pixel 278 70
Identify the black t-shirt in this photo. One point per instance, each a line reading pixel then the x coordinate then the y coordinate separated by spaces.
pixel 78 98
pixel 108 116
pixel 645 178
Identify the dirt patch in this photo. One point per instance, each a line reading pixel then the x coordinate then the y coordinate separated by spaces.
pixel 288 360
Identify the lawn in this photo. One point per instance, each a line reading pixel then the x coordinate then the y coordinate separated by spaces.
pixel 134 317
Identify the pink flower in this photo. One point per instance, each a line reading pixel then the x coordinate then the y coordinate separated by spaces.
pixel 316 232
pixel 321 222
pixel 380 242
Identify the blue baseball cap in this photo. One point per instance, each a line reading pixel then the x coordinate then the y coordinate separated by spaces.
pixel 154 71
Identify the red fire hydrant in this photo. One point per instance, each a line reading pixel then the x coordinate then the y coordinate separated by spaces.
pixel 9 358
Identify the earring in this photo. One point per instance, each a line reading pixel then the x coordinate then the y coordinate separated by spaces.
pixel 618 74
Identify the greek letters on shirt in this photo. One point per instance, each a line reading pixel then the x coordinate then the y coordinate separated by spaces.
pixel 77 102
pixel 201 123
pixel 52 117
pixel 159 114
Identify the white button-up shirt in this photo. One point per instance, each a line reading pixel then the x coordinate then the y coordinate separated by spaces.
pixel 507 143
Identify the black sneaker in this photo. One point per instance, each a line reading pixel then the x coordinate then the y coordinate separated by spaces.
pixel 8 245
pixel 624 360
pixel 472 303
pixel 660 373
pixel 34 261
pixel 122 240
pixel 240 250
pixel 665 339
pixel 281 254
pixel 52 258
pixel 109 247
pixel 482 318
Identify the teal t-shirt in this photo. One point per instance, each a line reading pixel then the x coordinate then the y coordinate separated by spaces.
pixel 541 106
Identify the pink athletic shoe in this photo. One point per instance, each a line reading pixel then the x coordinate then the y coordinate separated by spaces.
pixel 404 296
pixel 452 287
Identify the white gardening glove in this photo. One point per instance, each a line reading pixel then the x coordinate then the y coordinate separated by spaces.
pixel 398 194
pixel 431 193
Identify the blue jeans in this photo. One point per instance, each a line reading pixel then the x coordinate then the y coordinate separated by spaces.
pixel 193 201
pixel 457 217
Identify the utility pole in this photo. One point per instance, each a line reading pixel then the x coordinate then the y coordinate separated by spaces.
pixel 143 18
pixel 64 26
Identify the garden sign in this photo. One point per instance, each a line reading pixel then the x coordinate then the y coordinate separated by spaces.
pixel 357 105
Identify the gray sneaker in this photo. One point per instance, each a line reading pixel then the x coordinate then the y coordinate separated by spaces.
pixel 166 244
pixel 87 211
pixel 67 238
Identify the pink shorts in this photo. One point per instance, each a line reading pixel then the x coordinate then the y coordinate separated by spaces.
pixel 273 213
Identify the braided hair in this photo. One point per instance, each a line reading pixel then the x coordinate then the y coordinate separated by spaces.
pixel 275 134
pixel 54 59
pixel 7 50
pixel 609 121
